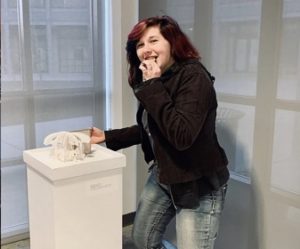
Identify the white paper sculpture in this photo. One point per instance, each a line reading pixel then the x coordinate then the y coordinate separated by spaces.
pixel 68 146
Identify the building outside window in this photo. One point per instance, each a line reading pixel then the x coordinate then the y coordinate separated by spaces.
pixel 48 84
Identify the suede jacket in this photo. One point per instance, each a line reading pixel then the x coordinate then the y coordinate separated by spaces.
pixel 181 107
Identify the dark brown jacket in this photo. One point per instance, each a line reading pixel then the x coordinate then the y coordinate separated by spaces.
pixel 181 107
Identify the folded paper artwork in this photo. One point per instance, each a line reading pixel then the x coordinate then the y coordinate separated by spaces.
pixel 68 146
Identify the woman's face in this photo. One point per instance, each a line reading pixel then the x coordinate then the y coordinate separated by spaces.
pixel 153 46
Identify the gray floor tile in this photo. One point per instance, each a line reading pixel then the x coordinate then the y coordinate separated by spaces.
pixel 25 244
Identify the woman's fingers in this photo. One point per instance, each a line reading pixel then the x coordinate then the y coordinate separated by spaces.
pixel 150 69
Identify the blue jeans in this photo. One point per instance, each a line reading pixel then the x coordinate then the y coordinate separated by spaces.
pixel 195 228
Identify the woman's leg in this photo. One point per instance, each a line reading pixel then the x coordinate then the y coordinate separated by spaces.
pixel 197 228
pixel 155 211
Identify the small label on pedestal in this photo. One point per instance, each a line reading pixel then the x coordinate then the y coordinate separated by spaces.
pixel 105 185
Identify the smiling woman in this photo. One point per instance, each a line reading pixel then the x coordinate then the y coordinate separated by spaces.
pixel 176 129
pixel 154 52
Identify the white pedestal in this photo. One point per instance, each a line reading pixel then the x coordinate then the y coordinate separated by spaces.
pixel 75 205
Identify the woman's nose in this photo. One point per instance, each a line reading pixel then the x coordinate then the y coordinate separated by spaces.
pixel 146 54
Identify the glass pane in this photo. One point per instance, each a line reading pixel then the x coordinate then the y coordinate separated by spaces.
pixel 13 199
pixel 289 76
pixel 183 11
pixel 69 4
pixel 12 3
pixel 12 142
pixel 286 152
pixel 37 3
pixel 235 42
pixel 10 55
pixel 65 94
pixel 39 49
pixel 33 3
pixel 235 126
pixel 62 54
pixel 62 113
pixel 73 49
pixel 13 178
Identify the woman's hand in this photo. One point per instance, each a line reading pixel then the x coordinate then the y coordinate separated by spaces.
pixel 150 69
pixel 97 136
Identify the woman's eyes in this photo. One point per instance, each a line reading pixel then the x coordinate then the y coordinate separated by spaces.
pixel 139 45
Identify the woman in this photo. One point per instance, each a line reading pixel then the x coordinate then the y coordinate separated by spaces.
pixel 176 129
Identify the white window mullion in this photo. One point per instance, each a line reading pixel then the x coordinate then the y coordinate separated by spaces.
pixel 113 44
pixel 26 66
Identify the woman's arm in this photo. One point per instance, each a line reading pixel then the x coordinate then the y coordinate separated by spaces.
pixel 180 118
pixel 118 138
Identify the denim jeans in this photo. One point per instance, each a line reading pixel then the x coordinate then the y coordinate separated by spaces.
pixel 195 228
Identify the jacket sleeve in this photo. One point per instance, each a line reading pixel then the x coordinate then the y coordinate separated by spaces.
pixel 180 118
pixel 122 138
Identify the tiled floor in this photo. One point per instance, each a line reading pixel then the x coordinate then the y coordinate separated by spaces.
pixel 25 244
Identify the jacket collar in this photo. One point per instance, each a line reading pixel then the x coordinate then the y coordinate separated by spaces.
pixel 176 66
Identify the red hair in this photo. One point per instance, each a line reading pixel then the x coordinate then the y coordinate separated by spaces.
pixel 181 47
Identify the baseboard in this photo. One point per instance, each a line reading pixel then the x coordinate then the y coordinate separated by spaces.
pixel 128 219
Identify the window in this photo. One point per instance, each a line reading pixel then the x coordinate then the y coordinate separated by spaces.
pixel 69 4
pixel 33 3
pixel 48 84
pixel 39 49
pixel 289 77
pixel 73 49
